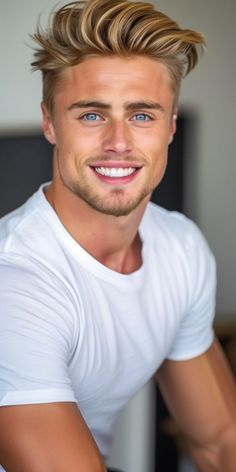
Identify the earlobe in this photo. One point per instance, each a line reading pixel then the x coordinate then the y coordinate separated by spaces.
pixel 47 125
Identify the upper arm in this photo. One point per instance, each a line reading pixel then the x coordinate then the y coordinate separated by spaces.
pixel 50 437
pixel 194 329
pixel 41 428
pixel 201 395
pixel 37 336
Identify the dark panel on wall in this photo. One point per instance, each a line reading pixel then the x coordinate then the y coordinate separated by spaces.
pixel 169 192
pixel 25 162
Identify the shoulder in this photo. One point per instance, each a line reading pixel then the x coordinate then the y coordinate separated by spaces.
pixel 172 228
pixel 171 224
pixel 188 267
pixel 179 244
pixel 19 226
pixel 29 239
pixel 34 303
pixel 31 282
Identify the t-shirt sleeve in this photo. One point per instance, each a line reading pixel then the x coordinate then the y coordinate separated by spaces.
pixel 37 329
pixel 195 332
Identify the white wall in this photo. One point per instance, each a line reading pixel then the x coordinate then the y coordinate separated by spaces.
pixel 210 93
pixel 20 89
pixel 134 439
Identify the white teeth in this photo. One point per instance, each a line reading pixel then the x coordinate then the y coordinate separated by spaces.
pixel 115 172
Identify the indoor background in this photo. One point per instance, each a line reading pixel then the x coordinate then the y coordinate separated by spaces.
pixel 209 97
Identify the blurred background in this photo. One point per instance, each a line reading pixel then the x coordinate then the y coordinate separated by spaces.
pixel 208 103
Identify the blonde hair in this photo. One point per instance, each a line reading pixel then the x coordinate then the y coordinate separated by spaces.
pixel 83 29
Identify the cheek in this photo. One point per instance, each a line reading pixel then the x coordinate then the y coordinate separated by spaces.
pixel 159 166
pixel 155 137
pixel 156 158
pixel 158 169
pixel 78 140
pixel 156 150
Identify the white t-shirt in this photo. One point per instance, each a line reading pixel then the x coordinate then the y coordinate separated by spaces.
pixel 73 330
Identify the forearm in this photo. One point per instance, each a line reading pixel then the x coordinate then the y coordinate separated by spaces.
pixel 217 457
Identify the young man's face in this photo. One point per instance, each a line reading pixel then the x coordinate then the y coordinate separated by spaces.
pixel 113 121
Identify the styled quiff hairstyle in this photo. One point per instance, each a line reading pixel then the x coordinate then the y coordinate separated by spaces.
pixel 99 28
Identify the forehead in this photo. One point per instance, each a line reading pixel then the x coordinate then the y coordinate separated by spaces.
pixel 108 77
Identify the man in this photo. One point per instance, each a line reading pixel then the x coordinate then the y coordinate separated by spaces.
pixel 99 288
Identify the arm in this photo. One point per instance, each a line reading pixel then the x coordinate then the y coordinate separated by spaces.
pixel 201 396
pixel 36 337
pixel 50 437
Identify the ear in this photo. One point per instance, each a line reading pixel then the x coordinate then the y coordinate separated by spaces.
pixel 48 128
pixel 173 126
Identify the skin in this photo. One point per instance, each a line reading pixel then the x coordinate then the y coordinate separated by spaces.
pixel 199 392
pixel 201 395
pixel 117 138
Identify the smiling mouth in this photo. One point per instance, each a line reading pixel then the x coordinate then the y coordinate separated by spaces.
pixel 115 172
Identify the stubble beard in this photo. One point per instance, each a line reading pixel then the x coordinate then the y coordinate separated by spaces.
pixel 116 203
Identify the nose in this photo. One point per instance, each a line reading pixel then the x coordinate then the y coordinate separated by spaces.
pixel 117 138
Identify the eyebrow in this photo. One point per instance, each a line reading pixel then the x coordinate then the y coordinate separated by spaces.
pixel 149 105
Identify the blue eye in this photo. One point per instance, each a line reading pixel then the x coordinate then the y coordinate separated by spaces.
pixel 142 117
pixel 91 117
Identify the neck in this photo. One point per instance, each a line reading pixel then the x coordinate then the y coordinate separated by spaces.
pixel 113 241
